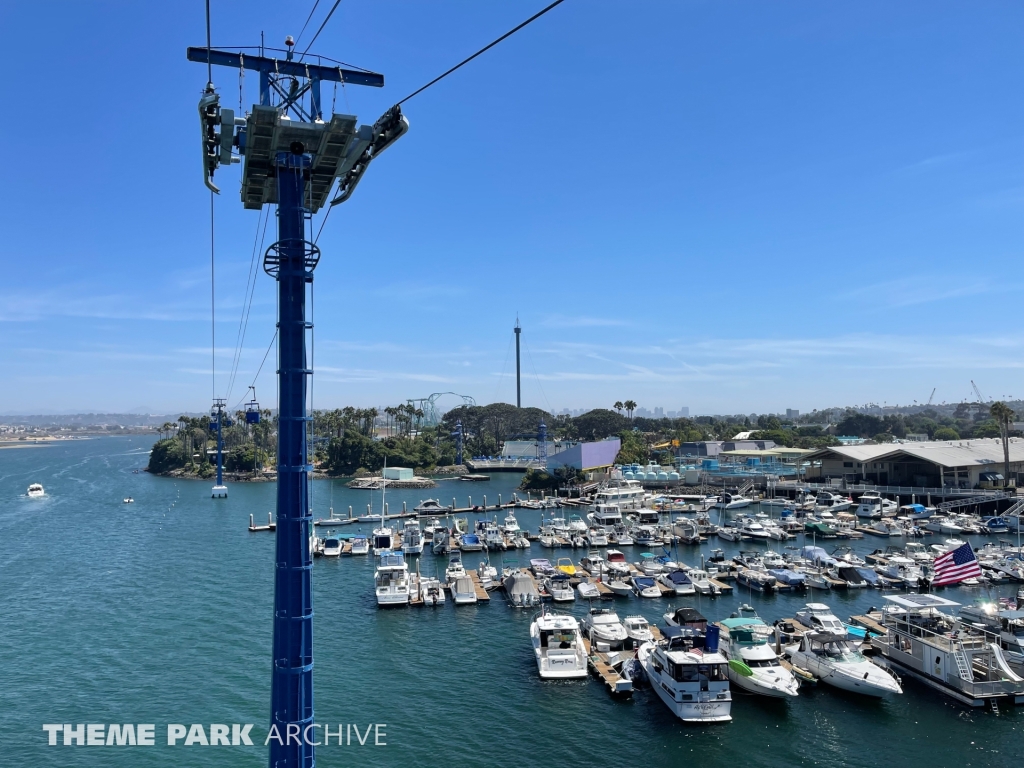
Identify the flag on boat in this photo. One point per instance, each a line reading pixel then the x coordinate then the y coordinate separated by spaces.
pixel 955 566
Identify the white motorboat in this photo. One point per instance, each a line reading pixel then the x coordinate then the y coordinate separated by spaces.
pixel 942 524
pixel 35 491
pixel 488 575
pixel 559 587
pixel 836 661
pixel 887 527
pixel 752 529
pixel 494 538
pixel 622 536
pixel 603 628
pixel 455 569
pixel 128 500
pixel 463 591
pixel 616 563
pixel 621 493
pixel 815 578
pixel 638 630
pixel 558 646
pixel 689 674
pixel 756 579
pixel 753 663
pixel 412 538
pixel 702 582
pixel 831 502
pixel 869 508
pixel 596 537
pixel 440 541
pixel 332 547
pixel 588 591
pixel 391 579
pixel 649 565
pixel 360 545
pixel 818 617
pixel 730 532
pixel 906 570
pixel 431 591
pixel 645 586
pixel 511 524
pixel 732 501
pixel 521 589
pixel 678 581
pixel 620 587
pixel 577 524
pixel 383 539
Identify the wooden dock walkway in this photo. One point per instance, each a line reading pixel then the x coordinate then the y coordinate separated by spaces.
pixel 726 588
pixel 478 587
pixel 599 664
pixel 867 621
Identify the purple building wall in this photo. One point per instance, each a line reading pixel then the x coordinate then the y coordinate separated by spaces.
pixel 587 455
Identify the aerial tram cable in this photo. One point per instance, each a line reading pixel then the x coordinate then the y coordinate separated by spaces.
pixel 322 25
pixel 250 292
pixel 303 30
pixel 482 50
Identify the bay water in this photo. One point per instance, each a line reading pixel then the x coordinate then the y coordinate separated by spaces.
pixel 160 612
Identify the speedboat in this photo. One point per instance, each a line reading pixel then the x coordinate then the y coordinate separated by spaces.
pixel 565 565
pixel 603 628
pixel 360 545
pixel 645 586
pixel 559 588
pixel 391 579
pixel 463 590
pixel 906 570
pixel 678 582
pixel 649 565
pixel 831 502
pixel 470 542
pixel 887 527
pixel 412 538
pixel 332 547
pixel 756 579
pixel 616 563
pixel 818 617
pixel 753 529
pixel 940 524
pixel 637 629
pixel 730 532
pixel 836 661
pixel 588 590
pixel 620 587
pixel 431 591
pixel 128 500
pixel 732 501
pixel 577 524
pixel 35 491
pixel 558 646
pixel 753 664
pixel 541 567
pixel 689 674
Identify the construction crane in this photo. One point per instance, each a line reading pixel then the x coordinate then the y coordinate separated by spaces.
pixel 981 398
pixel 932 396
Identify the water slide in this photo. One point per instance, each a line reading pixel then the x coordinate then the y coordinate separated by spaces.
pixel 997 652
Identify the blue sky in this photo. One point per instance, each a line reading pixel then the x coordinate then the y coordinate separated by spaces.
pixel 730 206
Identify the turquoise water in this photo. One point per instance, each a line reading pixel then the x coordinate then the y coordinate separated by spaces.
pixel 159 612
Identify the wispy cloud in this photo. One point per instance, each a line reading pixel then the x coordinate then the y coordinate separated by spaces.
pixel 580 321
pixel 908 292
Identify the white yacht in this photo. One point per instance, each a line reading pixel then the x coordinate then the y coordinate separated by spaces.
pixel 645 586
pixel 558 646
pixel 818 617
pixel 959 657
pixel 753 664
pixel 689 674
pixel 511 524
pixel 494 538
pixel 431 507
pixel 606 516
pixel 622 493
pixel 702 583
pixel 412 538
pixel 559 587
pixel 596 537
pixel 35 491
pixel 942 524
pixel 906 570
pixel 603 628
pixel 752 529
pixel 831 502
pixel 440 541
pixel 332 547
pixel 638 630
pixel 836 661
pixel 391 579
pixel 870 507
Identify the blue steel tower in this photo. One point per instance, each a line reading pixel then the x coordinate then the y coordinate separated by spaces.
pixel 292 157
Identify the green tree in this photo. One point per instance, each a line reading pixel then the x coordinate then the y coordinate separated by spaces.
pixel 634 449
pixel 883 437
pixel 165 456
pixel 1003 415
pixel 630 406
pixel 946 433
pixel 618 406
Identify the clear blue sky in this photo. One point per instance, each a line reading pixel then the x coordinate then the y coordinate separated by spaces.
pixel 730 206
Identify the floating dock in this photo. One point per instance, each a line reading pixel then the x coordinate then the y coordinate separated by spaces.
pixel 270 526
pixel 600 665
pixel 478 587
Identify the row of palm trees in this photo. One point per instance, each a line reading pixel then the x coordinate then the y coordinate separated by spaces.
pixel 629 406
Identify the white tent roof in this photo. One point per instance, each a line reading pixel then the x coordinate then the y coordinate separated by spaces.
pixel 951 453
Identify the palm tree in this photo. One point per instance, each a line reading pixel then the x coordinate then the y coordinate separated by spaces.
pixel 630 406
pixel 1004 416
pixel 618 406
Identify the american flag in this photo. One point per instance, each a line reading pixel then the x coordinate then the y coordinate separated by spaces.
pixel 955 566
